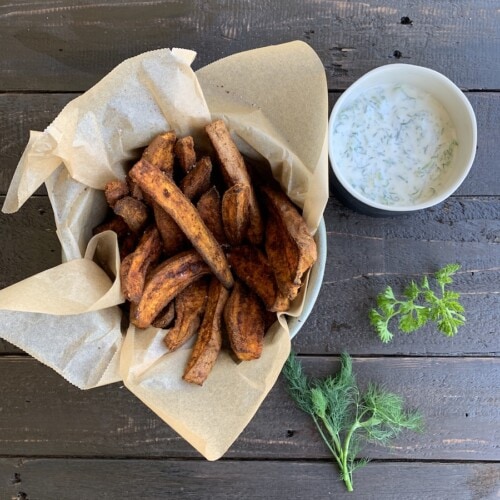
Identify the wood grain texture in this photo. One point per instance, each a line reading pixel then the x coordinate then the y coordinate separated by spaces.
pixel 81 479
pixel 24 112
pixel 365 255
pixel 60 45
pixel 42 415
pixel 104 443
pixel 29 242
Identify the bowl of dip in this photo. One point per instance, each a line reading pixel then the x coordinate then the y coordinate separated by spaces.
pixel 401 138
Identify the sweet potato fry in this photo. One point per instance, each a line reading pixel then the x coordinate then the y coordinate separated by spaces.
pixel 127 244
pixel 146 254
pixel 270 318
pixel 235 171
pixel 165 318
pixel 233 166
pixel 165 192
pixel 114 190
pixel 166 282
pixel 189 309
pixel 244 320
pixel 290 248
pixel 124 269
pixel 252 267
pixel 116 224
pixel 133 212
pixel 197 181
pixel 173 238
pixel 184 151
pixel 160 152
pixel 235 212
pixel 209 208
pixel 194 184
pixel 126 238
pixel 209 340
pixel 134 189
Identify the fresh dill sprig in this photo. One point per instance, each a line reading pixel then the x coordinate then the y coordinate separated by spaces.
pixel 344 416
pixel 420 305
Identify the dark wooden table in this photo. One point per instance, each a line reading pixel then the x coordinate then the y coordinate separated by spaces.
pixel 57 442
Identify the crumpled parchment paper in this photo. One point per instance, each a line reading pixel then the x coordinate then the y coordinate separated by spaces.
pixel 275 103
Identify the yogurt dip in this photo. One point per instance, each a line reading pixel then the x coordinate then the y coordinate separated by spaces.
pixel 394 144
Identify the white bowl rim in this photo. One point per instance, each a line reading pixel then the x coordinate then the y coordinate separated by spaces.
pixel 458 180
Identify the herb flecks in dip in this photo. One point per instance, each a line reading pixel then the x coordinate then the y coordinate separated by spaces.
pixel 394 144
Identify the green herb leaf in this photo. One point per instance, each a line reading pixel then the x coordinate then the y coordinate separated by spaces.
pixel 412 291
pixel 419 305
pixel 380 323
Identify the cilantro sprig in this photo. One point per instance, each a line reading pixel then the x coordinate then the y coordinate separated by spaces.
pixel 419 305
pixel 344 416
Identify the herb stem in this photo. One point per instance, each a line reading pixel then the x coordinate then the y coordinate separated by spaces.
pixel 338 410
pixel 327 442
pixel 346 473
pixel 332 433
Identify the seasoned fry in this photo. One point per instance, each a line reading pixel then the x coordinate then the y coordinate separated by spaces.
pixel 189 309
pixel 114 190
pixel 290 248
pixel 194 184
pixel 235 212
pixel 166 282
pixel 160 152
pixel 252 267
pixel 275 247
pixel 171 234
pixel 270 318
pixel 146 254
pixel 133 212
pixel 165 192
pixel 184 151
pixel 209 340
pixel 197 181
pixel 244 320
pixel 134 189
pixel 166 317
pixel 124 269
pixel 127 244
pixel 235 171
pixel 209 208
pixel 233 166
pixel 176 295
pixel 116 224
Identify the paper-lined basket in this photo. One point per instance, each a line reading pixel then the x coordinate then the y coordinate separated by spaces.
pixel 274 101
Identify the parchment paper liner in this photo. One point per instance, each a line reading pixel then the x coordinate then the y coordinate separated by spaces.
pixel 275 103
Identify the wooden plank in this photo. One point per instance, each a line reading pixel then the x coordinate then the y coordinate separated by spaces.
pixel 29 242
pixel 29 245
pixel 60 45
pixel 42 415
pixel 24 112
pixel 228 479
pixel 365 255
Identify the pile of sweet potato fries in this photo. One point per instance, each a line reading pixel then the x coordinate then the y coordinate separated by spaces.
pixel 205 249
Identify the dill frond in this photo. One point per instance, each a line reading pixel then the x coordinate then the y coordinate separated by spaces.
pixel 344 417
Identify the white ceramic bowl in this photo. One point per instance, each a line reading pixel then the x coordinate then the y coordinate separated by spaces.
pixel 315 281
pixel 448 95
